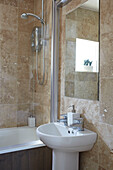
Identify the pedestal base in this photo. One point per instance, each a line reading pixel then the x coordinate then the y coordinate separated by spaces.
pixel 65 160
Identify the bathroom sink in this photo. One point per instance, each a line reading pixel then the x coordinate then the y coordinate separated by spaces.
pixel 66 144
pixel 58 136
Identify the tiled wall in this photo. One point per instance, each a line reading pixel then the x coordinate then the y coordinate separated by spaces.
pixel 15 54
pixel 17 91
pixel 95 118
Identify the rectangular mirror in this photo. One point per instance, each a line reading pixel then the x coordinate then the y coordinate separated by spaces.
pixel 82 51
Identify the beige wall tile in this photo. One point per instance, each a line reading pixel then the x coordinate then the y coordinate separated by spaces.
pixel 42 114
pixel 106 96
pixel 24 44
pixel 86 165
pixel 106 41
pixel 23 92
pixel 23 71
pixel 9 91
pixel 2 117
pixel 1 90
pixel 11 2
pixel 105 158
pixel 42 99
pixel 100 168
pixel 69 88
pixel 9 71
pixel 8 17
pixel 9 42
pixel 26 4
pixel 16 63
pixel 71 29
pixel 2 2
pixel 23 113
pixel 10 113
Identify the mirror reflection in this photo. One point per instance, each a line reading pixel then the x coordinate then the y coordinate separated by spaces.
pixel 82 51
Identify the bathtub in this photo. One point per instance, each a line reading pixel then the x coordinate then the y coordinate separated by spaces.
pixel 18 138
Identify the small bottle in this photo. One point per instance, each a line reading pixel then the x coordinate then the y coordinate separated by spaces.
pixel 31 121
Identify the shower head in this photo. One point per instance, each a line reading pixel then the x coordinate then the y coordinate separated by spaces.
pixel 25 16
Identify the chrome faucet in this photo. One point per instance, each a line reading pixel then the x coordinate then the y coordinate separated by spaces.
pixel 77 124
pixel 63 119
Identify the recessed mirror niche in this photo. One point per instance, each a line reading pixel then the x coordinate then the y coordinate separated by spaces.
pixel 82 51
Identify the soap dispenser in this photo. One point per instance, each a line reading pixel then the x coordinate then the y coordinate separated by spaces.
pixel 72 115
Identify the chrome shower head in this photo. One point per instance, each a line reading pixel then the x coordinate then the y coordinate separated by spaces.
pixel 25 16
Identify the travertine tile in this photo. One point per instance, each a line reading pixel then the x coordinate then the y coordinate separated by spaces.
pixel 69 88
pixel 24 44
pixel 106 63
pixel 8 18
pixel 2 116
pixel 8 59
pixel 91 28
pixel 22 114
pixel 92 155
pixel 106 39
pixel 106 10
pixel 9 91
pixel 23 92
pixel 38 6
pixel 23 71
pixel 10 113
pixel 70 50
pixel 42 99
pixel 1 90
pixel 100 168
pixel 1 1
pixel 9 42
pixel 106 135
pixel 26 4
pixel 106 96
pixel 71 29
pixel 86 90
pixel 88 165
pixel 42 114
pixel 9 71
pixel 105 158
pixel 16 62
pixel 21 59
pixel 69 76
pixel 45 89
pixel 11 2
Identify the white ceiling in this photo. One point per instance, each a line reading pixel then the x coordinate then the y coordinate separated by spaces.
pixel 91 5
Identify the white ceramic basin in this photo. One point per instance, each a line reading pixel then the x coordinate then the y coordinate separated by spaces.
pixel 56 136
pixel 66 144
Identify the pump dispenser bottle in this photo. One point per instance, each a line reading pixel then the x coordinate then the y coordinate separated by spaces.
pixel 72 115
